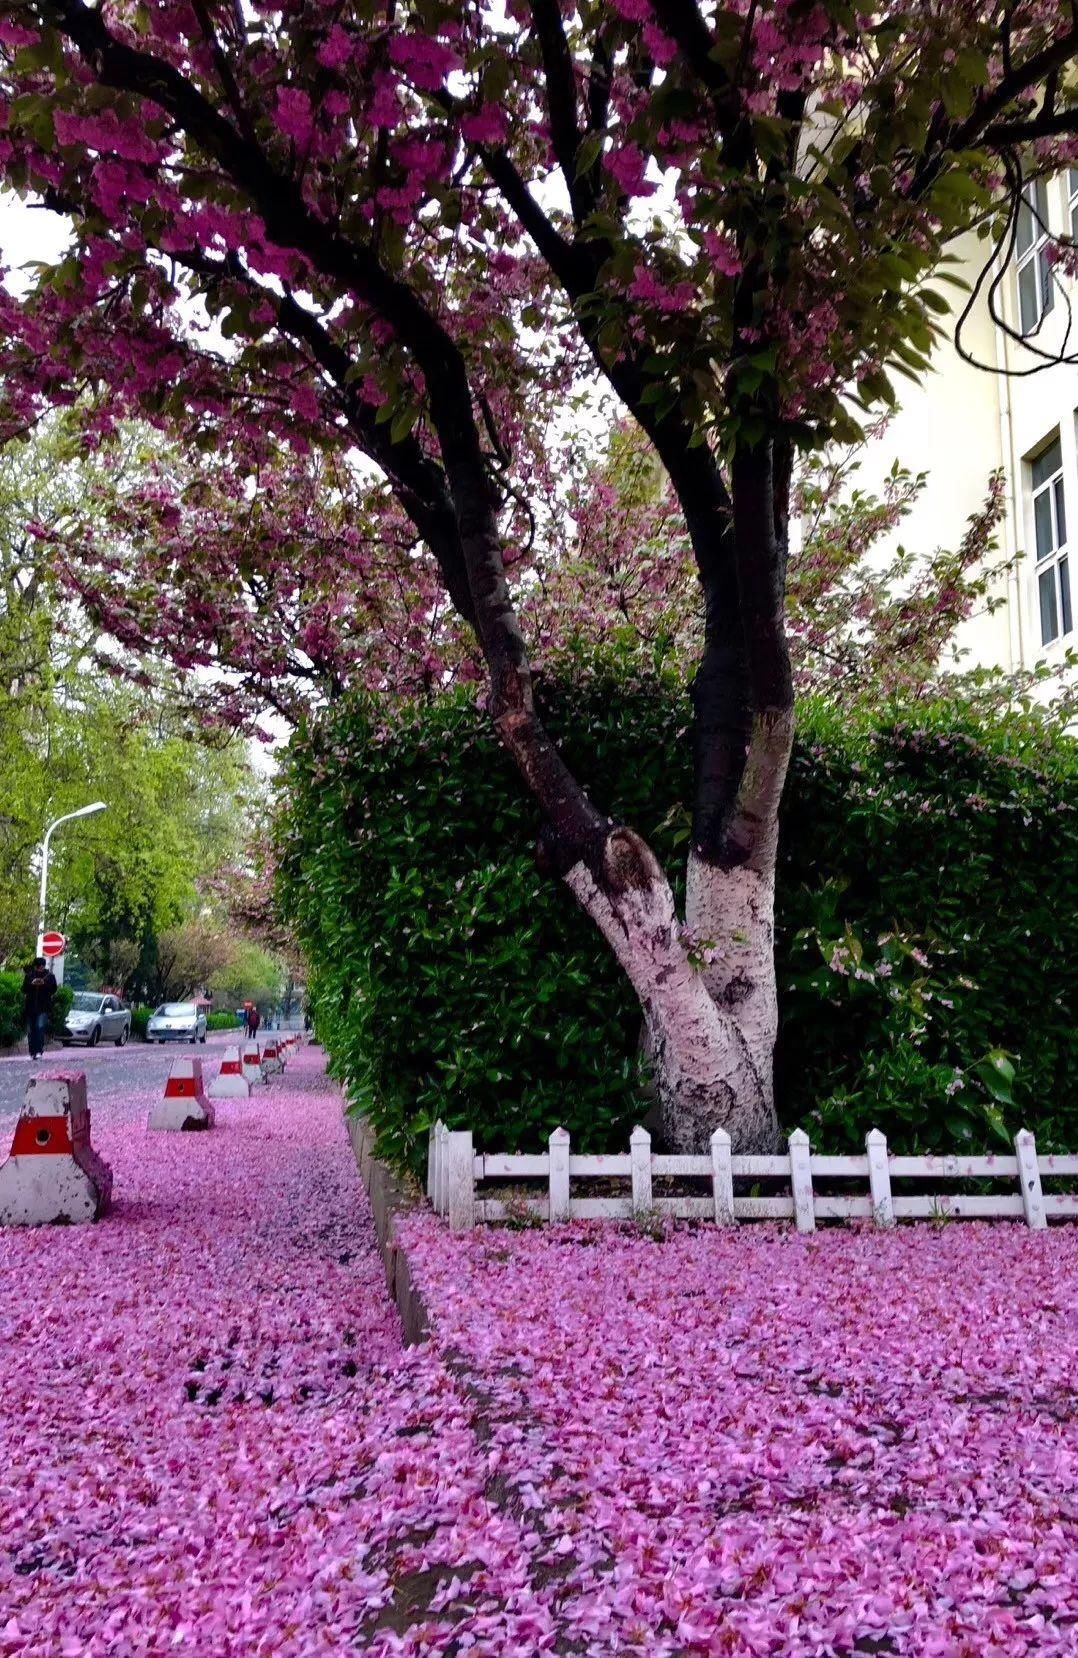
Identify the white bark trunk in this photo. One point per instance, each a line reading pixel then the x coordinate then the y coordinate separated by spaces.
pixel 734 911
pixel 708 1074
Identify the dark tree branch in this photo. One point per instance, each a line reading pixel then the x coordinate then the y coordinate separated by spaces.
pixel 562 103
pixel 357 269
pixel 1013 134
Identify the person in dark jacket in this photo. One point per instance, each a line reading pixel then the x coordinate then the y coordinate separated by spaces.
pixel 39 989
pixel 253 1022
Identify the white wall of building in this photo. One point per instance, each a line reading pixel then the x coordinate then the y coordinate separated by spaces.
pixel 962 422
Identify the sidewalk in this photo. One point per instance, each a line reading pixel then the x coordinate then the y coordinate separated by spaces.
pixel 189 1386
pixel 720 1446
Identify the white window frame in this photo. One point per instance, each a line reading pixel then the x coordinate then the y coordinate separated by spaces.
pixel 1035 256
pixel 1072 202
pixel 1053 598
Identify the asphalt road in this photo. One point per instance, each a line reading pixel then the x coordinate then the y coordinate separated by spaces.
pixel 109 1070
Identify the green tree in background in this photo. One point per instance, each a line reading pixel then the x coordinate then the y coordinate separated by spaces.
pixel 81 720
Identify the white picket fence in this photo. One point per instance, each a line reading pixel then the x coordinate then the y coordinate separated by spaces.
pixel 454 1170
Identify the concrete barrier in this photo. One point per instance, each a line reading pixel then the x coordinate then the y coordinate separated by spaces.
pixel 230 1082
pixel 184 1104
pixel 53 1175
pixel 251 1062
pixel 272 1062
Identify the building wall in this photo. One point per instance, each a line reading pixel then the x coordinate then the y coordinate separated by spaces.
pixel 964 421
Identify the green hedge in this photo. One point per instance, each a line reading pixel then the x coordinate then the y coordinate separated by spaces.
pixel 12 1029
pixel 221 1021
pixel 927 916
pixel 11 1026
pixel 140 1018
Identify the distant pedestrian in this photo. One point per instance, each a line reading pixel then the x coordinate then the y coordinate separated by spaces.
pixel 39 989
pixel 253 1022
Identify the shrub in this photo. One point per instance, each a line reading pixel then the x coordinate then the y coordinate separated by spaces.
pixel 10 1008
pixel 140 1018
pixel 927 925
pixel 221 1021
pixel 63 1001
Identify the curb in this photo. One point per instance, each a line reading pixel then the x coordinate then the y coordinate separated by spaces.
pixel 388 1198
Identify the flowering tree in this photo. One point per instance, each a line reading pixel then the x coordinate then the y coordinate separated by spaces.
pixel 396 223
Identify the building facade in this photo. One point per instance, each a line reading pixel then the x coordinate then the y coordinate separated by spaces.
pixel 1007 401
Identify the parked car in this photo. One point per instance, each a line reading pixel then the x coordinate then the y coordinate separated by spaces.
pixel 176 1022
pixel 93 1017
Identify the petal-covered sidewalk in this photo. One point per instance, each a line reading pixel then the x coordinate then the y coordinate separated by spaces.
pixel 751 1444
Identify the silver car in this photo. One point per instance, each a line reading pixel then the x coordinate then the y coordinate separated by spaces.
pixel 93 1018
pixel 176 1022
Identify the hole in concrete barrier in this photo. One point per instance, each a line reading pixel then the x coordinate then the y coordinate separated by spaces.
pixel 43 1136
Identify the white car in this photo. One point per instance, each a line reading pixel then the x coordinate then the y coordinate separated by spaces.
pixel 93 1017
pixel 176 1022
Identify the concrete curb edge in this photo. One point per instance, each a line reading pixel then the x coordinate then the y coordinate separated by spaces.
pixel 388 1198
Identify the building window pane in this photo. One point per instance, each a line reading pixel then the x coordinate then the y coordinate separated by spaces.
pixel 1065 595
pixel 1036 282
pixel 1027 297
pixel 1050 535
pixel 1046 584
pixel 1048 287
pixel 1042 518
pixel 1049 461
pixel 1027 228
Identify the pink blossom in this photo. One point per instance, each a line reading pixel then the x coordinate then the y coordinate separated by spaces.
pixel 294 113
pixel 424 60
pixel 487 126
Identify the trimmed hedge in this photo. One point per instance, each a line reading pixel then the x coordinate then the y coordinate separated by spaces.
pixel 140 1018
pixel 927 917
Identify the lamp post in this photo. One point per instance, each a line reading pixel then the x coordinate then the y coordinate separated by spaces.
pixel 83 811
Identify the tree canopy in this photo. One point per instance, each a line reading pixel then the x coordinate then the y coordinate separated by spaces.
pixel 410 234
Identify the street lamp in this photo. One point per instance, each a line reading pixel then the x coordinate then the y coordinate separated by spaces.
pixel 83 811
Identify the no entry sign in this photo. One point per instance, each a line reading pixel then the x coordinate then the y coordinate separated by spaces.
pixel 53 944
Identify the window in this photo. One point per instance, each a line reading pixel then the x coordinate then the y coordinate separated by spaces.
pixel 1050 532
pixel 1036 290
pixel 1072 199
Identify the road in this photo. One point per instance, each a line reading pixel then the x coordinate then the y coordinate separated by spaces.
pixel 110 1071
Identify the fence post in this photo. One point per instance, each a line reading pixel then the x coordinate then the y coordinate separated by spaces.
pixel 1029 1176
pixel 432 1154
pixel 722 1178
pixel 801 1181
pixel 441 1190
pixel 879 1178
pixel 559 1175
pixel 640 1155
pixel 460 1180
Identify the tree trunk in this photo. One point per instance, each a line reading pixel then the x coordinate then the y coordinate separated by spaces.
pixel 710 1030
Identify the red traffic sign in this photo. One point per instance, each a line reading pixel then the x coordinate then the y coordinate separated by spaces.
pixel 53 944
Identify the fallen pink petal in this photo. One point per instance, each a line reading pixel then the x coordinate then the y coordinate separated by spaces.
pixel 731 1442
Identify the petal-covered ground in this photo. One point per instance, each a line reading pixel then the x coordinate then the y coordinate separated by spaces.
pixel 754 1442
pixel 747 1443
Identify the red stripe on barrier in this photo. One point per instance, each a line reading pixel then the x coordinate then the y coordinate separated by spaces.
pixel 42 1137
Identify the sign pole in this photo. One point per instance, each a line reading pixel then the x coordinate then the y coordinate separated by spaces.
pixel 68 817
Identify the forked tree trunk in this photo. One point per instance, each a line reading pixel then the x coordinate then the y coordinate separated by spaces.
pixel 710 1029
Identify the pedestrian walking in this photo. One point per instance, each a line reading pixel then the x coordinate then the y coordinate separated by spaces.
pixel 253 1022
pixel 39 989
